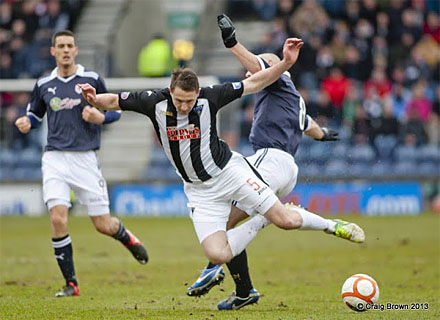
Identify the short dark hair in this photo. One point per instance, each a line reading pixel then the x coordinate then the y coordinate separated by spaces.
pixel 62 33
pixel 184 78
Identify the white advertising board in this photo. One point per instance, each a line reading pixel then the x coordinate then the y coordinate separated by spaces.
pixel 21 199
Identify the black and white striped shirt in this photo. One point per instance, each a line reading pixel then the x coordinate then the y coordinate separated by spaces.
pixel 190 141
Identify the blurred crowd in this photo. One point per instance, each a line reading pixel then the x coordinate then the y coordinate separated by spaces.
pixel 26 29
pixel 368 67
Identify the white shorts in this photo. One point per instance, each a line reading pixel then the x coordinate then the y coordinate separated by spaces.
pixel 277 168
pixel 79 171
pixel 211 201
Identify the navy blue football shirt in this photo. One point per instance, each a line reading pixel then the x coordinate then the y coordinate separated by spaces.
pixel 279 116
pixel 63 102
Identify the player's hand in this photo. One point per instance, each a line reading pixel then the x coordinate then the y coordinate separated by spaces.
pixel 227 29
pixel 291 50
pixel 93 115
pixel 23 124
pixel 88 92
pixel 329 135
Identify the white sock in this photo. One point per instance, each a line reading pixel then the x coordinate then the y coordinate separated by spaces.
pixel 239 237
pixel 313 221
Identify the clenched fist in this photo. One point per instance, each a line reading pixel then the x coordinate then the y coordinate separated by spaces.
pixel 92 115
pixel 23 124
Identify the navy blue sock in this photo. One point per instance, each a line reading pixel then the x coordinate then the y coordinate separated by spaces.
pixel 122 235
pixel 64 255
pixel 238 267
pixel 210 265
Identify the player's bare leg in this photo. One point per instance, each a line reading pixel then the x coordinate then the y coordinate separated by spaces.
pixel 113 227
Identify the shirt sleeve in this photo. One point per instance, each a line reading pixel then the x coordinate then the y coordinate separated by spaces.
pixel 100 86
pixel 274 86
pixel 36 107
pixel 307 123
pixel 222 94
pixel 142 102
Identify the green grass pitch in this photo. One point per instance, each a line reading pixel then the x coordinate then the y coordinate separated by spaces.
pixel 299 273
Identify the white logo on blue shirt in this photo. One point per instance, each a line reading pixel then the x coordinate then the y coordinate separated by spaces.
pixel 52 90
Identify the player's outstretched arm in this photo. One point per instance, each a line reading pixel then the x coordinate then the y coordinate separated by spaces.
pixel 104 101
pixel 260 80
pixel 23 124
pixel 247 59
pixel 321 134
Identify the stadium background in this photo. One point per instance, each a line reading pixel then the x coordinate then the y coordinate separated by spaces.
pixel 387 163
pixel 369 69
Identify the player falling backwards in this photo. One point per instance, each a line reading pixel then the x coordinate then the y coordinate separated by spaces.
pixel 184 118
pixel 70 160
pixel 279 121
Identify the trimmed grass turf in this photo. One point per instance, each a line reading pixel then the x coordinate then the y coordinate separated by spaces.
pixel 300 273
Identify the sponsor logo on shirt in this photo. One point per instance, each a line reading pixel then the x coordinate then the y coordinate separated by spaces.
pixel 236 85
pixel 191 132
pixel 67 103
pixel 52 90
pixel 124 95
pixel 167 113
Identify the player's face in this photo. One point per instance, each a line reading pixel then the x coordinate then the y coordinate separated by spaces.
pixel 183 100
pixel 64 51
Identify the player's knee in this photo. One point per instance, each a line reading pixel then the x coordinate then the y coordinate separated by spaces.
pixel 58 221
pixel 219 256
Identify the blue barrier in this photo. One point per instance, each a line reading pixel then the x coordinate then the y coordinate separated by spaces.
pixel 388 198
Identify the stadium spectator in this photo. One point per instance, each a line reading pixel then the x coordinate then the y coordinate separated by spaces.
pixel 419 103
pixel 351 64
pixel 429 50
pixel 378 84
pixel 413 127
pixel 6 16
pixel 432 26
pixel 54 19
pixel 155 58
pixel 387 124
pixel 69 161
pixel 324 109
pixel 211 185
pixel 266 9
pixel 362 125
pixel 351 103
pixel 400 97
pixel 336 86
pixel 308 19
pixel 284 10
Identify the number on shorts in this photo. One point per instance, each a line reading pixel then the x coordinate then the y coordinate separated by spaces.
pixel 253 184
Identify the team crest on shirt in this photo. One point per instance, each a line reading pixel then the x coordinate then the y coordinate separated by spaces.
pixel 124 95
pixel 77 89
pixel 190 132
pixel 198 109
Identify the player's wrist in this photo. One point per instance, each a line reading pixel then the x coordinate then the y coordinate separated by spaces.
pixel 230 42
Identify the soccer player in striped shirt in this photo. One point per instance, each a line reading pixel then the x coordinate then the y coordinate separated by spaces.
pixel 184 118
